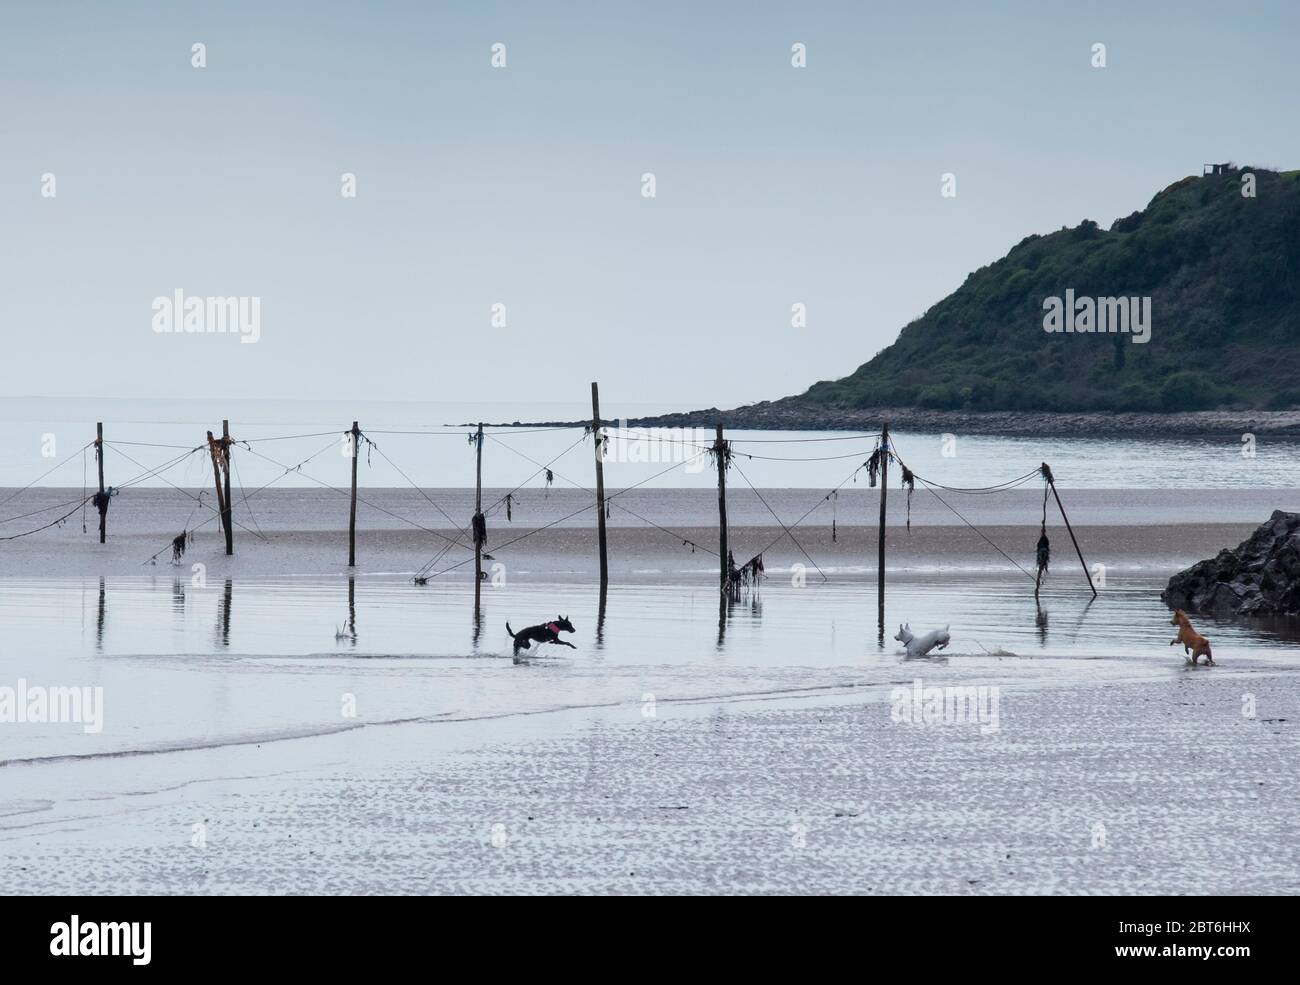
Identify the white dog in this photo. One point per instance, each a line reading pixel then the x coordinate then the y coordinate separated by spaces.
pixel 919 646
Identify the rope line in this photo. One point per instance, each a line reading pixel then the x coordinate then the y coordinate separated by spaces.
pixel 287 437
pixel 44 509
pixel 345 492
pixel 589 506
pixel 978 530
pixel 79 451
pixel 976 490
pixel 424 569
pixel 411 482
pixel 186 492
pixel 289 468
pixel 142 444
pixel 796 441
pixel 189 529
pixel 971 490
pixel 815 506
pixel 786 529
pixel 822 458
pixel 81 503
pixel 242 492
pixel 28 533
pixel 626 509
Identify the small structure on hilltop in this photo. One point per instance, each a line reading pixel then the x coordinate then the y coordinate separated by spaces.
pixel 1227 167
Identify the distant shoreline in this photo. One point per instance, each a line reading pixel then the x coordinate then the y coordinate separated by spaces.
pixel 787 417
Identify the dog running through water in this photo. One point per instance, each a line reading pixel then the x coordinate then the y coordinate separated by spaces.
pixel 919 646
pixel 545 633
pixel 1193 642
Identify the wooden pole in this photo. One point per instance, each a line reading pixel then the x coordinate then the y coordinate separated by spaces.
pixel 1051 482
pixel 600 489
pixel 884 495
pixel 352 512
pixel 99 457
pixel 478 512
pixel 721 452
pixel 216 476
pixel 227 509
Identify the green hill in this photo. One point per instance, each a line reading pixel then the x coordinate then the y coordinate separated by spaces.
pixel 1223 274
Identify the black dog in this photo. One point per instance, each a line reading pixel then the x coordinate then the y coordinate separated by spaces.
pixel 549 633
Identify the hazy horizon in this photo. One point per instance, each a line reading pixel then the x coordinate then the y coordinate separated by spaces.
pixel 522 185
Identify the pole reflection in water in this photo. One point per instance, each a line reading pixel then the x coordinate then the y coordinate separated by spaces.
pixel 600 621
pixel 223 615
pixel 99 623
pixel 352 609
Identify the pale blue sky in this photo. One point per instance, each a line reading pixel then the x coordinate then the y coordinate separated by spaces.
pixel 775 185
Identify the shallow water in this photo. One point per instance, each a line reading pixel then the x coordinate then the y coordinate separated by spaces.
pixel 824 625
pixel 258 660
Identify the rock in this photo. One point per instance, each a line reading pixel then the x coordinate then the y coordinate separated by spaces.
pixel 1260 578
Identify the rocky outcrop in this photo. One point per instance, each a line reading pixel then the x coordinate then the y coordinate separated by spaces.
pixel 795 415
pixel 1260 578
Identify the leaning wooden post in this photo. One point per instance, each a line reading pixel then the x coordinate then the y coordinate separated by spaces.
pixel 227 508
pixel 216 477
pixel 352 513
pixel 722 454
pixel 600 488
pixel 99 500
pixel 478 519
pixel 884 493
pixel 1051 482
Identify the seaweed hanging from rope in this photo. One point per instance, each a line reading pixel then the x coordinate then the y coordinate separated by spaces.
pixel 908 483
pixel 748 574
pixel 550 478
pixel 479 525
pixel 179 543
pixel 510 498
pixel 874 463
pixel 1043 552
pixel 834 497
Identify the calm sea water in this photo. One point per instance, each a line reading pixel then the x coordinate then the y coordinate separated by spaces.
pixel 265 645
pixel 424 444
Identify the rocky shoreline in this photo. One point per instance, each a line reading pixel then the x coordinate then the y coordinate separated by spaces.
pixel 1261 577
pixel 788 415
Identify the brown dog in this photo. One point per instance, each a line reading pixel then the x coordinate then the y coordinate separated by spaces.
pixel 1193 642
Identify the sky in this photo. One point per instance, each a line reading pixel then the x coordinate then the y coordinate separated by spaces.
pixel 522 185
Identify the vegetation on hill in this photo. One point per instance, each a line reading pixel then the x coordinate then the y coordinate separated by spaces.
pixel 1223 273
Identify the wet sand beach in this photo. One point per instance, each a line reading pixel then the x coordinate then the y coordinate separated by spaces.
pixel 1156 785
